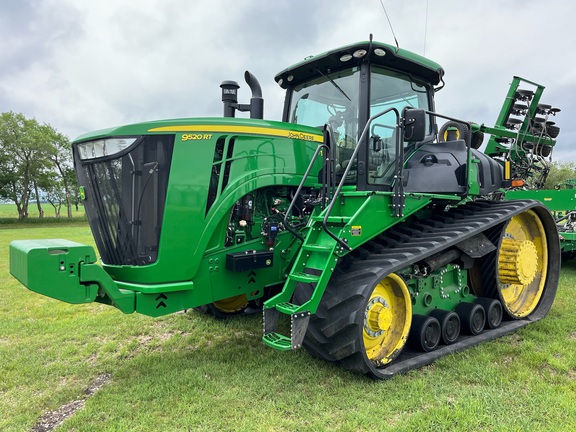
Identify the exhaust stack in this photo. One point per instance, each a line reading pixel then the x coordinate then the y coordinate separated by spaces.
pixel 230 98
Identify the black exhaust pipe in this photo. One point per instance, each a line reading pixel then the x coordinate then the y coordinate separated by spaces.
pixel 257 101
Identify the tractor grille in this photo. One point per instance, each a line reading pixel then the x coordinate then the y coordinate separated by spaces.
pixel 125 198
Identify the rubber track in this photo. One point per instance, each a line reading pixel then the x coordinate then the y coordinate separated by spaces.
pixel 334 333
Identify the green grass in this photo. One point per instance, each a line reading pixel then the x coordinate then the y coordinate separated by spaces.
pixel 188 372
pixel 9 214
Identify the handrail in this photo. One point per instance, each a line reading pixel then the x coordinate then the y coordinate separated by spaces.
pixel 468 144
pixel 329 134
pixel 300 186
pixel 347 170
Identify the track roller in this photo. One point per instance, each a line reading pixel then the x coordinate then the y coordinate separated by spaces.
pixel 450 324
pixel 494 311
pixel 472 317
pixel 426 333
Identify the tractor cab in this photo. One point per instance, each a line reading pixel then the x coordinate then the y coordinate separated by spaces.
pixel 344 88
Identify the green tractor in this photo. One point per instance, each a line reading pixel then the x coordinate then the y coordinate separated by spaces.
pixel 358 234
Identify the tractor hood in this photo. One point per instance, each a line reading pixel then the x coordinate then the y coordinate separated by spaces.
pixel 161 192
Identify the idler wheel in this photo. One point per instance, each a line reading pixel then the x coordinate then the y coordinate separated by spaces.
pixel 386 320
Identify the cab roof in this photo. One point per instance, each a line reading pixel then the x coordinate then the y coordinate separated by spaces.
pixel 379 53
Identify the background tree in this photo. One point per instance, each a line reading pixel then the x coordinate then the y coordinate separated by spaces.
pixel 74 187
pixel 61 157
pixel 24 157
pixel 56 196
pixel 49 185
pixel 560 173
pixel 35 161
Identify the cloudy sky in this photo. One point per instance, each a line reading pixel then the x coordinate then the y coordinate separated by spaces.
pixel 84 65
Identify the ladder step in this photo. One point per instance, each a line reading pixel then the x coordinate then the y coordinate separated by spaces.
pixel 298 325
pixel 277 341
pixel 304 277
pixel 316 248
pixel 286 308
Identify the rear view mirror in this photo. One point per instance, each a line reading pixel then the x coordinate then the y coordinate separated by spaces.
pixel 376 143
pixel 414 120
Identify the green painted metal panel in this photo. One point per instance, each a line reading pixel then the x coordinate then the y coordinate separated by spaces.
pixel 567 241
pixel 555 200
pixel 250 162
pixel 443 289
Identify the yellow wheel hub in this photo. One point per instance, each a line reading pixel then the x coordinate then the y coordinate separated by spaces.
pixel 379 316
pixel 522 264
pixel 518 261
pixel 387 320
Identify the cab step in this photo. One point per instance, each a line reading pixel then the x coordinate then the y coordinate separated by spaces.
pixel 298 326
pixel 287 308
pixel 277 341
pixel 304 277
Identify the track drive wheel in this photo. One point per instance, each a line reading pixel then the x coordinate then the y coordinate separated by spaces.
pixel 363 320
pixel 522 264
pixel 521 273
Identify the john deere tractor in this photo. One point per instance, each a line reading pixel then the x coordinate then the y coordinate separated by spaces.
pixel 359 231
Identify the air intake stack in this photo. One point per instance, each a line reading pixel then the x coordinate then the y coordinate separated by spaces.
pixel 230 98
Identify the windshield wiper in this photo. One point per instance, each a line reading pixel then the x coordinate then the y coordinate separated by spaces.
pixel 333 83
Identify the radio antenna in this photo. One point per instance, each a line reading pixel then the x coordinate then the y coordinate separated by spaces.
pixel 426 28
pixel 390 24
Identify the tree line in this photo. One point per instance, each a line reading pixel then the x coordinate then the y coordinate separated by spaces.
pixel 36 166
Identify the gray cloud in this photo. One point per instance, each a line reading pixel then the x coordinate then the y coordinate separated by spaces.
pixel 30 31
pixel 87 65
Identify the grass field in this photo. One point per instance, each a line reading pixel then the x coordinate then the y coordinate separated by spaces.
pixel 188 372
pixel 9 214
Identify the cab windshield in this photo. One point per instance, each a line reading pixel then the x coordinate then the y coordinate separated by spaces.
pixel 331 98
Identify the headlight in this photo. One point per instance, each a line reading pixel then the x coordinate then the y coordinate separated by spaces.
pixel 103 147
